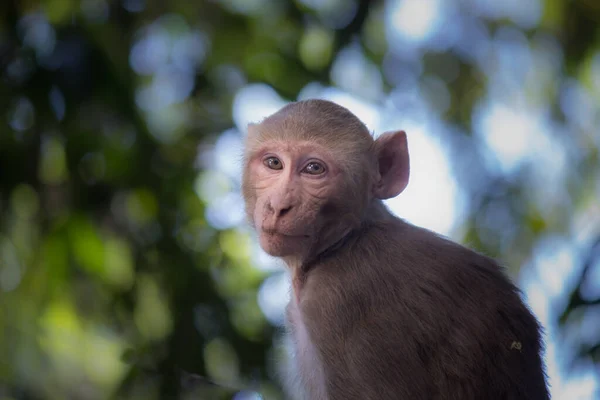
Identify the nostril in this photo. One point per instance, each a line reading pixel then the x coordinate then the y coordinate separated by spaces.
pixel 284 211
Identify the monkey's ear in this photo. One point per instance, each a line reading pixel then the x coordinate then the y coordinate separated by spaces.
pixel 392 155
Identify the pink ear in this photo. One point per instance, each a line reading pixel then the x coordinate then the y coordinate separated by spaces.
pixel 392 155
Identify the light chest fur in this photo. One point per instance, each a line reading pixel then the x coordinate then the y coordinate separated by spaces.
pixel 306 379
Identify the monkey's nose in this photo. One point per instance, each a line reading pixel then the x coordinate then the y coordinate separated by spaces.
pixel 283 211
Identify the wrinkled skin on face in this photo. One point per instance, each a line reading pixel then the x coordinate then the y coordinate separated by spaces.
pixel 296 186
pixel 311 173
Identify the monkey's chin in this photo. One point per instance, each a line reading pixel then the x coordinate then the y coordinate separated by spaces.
pixel 277 245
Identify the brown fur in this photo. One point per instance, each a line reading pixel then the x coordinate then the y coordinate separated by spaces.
pixel 380 309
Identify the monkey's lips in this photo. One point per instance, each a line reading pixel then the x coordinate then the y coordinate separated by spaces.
pixel 282 233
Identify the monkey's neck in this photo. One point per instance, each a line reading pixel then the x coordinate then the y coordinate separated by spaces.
pixel 321 250
pixel 376 212
pixel 301 269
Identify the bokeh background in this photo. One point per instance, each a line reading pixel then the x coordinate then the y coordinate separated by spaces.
pixel 126 268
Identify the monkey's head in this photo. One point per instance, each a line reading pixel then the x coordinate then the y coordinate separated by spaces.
pixel 313 173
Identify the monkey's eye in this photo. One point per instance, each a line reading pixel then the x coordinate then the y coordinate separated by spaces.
pixel 273 163
pixel 314 168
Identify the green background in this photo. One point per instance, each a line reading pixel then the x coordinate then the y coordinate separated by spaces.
pixel 114 280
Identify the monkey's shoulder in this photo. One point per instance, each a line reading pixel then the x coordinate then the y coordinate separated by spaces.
pixel 408 248
pixel 392 264
pixel 399 299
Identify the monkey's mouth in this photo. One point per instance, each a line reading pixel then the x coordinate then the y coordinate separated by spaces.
pixel 278 232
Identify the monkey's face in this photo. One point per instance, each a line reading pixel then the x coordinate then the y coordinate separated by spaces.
pixel 295 195
pixel 311 172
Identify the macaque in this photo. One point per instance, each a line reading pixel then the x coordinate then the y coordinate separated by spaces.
pixel 380 309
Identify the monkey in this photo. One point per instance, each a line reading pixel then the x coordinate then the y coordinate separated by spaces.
pixel 379 308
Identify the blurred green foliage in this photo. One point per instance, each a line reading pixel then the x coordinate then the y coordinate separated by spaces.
pixel 113 284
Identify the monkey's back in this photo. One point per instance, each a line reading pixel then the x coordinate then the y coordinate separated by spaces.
pixel 420 317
